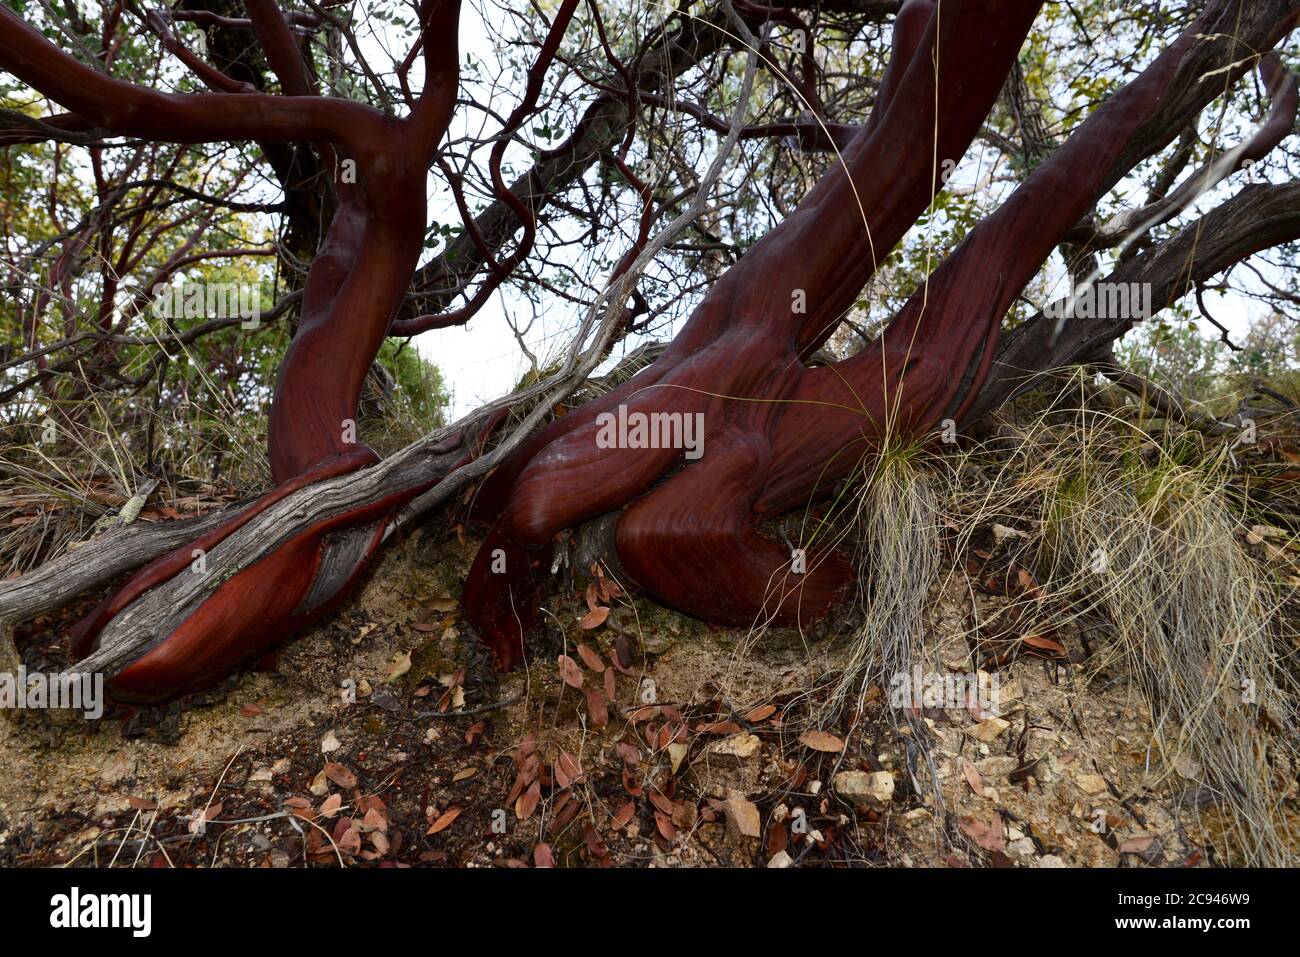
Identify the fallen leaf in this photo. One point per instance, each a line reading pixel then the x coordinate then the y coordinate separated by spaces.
pixel 444 820
pixel 594 618
pixel 987 834
pixel 1044 643
pixel 665 825
pixel 972 776
pixel 543 856
pixel 570 671
pixel 400 665
pixel 1027 583
pixel 350 842
pixel 567 769
pixel 662 802
pixel 677 752
pixel 596 707
pixel 623 816
pixel 821 741
pixel 527 802
pixel 761 713
pixel 340 774
pixel 590 658
pixel 1135 845
pixel 331 805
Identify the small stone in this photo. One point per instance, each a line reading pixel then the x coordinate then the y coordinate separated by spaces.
pixel 989 729
pixel 996 767
pixel 260 775
pixel 1188 767
pixel 955 656
pixel 1003 532
pixel 780 860
pixel 330 743
pixel 383 698
pixel 1009 691
pixel 1090 783
pixel 656 644
pixel 1050 860
pixel 1023 847
pixel 738 747
pixel 742 817
pixel 814 787
pixel 861 787
pixel 684 815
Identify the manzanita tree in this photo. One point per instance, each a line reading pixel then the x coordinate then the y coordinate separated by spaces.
pixel 780 430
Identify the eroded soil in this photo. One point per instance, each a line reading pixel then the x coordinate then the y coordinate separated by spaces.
pixel 720 761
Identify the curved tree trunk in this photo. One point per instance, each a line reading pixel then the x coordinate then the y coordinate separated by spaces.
pixel 777 433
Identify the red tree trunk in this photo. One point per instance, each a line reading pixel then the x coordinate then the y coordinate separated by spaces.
pixel 779 434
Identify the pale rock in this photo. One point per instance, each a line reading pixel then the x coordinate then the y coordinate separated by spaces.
pixel 1090 783
pixel 742 817
pixel 1023 847
pixel 989 729
pixel 737 747
pixel 996 767
pixel 955 656
pixel 861 787
pixel 1188 767
pixel 1009 691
